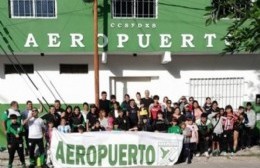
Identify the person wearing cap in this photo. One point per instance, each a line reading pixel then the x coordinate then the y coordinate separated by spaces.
pixel 251 115
pixel 204 126
pixel 15 140
pixel 36 131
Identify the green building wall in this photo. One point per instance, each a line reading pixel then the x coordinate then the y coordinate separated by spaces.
pixel 175 17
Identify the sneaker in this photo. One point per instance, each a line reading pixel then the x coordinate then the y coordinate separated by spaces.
pixel 198 155
pixel 224 153
pixel 206 154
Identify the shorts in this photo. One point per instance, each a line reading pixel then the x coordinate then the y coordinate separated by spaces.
pixel 216 137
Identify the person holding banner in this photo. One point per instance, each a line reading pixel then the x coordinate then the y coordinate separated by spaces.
pixel 122 122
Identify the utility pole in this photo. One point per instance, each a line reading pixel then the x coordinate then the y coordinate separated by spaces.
pixel 96 57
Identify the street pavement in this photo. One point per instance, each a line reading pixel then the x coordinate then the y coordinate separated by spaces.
pixel 243 159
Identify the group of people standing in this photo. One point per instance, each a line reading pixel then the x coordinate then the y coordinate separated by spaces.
pixel 207 130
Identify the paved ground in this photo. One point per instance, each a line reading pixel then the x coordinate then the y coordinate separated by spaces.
pixel 243 159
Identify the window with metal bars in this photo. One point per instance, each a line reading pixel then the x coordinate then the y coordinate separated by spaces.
pixel 134 8
pixel 227 91
pixel 33 8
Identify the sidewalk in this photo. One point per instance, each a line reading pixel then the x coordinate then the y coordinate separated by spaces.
pixel 252 152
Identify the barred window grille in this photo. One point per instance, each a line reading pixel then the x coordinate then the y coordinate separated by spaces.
pixel 33 8
pixel 134 8
pixel 226 91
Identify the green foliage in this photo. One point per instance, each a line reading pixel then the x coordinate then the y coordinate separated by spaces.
pixel 244 34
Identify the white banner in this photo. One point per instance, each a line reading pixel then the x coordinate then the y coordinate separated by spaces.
pixel 114 149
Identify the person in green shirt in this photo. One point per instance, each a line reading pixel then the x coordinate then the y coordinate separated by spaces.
pixel 5 118
pixel 15 140
pixel 174 128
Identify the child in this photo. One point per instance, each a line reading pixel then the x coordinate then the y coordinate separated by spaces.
pixel 216 120
pixel 159 123
pixel 15 140
pixel 174 128
pixel 122 122
pixel 110 119
pixel 81 129
pixel 48 136
pixel 205 127
pixel 186 132
pixel 194 139
pixel 63 127
pixel 48 133
pixel 97 127
pixel 228 126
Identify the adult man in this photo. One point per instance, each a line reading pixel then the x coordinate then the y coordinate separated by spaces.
pixel 25 115
pixel 104 103
pixel 36 129
pixel 58 108
pixel 52 116
pixel 6 115
pixel 112 102
pixel 147 100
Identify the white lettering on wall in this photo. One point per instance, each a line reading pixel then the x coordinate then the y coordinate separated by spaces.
pixel 165 41
pixel 209 37
pixel 54 40
pixel 105 40
pixel 30 41
pixel 76 40
pixel 141 40
pixel 187 40
pixel 122 38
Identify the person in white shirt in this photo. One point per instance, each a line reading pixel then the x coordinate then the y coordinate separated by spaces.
pixel 36 129
pixel 251 123
pixel 85 111
pixel 103 119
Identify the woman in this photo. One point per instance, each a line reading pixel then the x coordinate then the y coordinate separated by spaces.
pixel 115 110
pixel 164 103
pixel 168 111
pixel 177 115
pixel 76 119
pixel 85 111
pixel 182 102
pixel 138 99
pixel 197 110
pixel 207 106
pixel 68 113
pixel 103 119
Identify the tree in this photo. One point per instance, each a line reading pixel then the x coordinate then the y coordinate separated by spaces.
pixel 244 33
